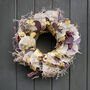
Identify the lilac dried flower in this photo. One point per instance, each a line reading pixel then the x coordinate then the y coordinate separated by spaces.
pixel 61 18
pixel 69 39
pixel 38 25
pixel 70 46
pixel 68 33
pixel 55 26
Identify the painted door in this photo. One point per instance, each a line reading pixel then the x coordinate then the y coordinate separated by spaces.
pixel 13 76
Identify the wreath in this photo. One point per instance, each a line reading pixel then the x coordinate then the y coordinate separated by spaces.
pixel 56 62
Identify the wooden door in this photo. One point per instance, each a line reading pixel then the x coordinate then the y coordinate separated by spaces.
pixel 13 76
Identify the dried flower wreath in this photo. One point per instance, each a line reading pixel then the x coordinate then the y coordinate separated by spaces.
pixel 56 62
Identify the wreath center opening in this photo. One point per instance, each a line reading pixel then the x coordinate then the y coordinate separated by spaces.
pixel 46 42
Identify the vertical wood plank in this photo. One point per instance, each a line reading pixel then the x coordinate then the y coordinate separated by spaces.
pixel 23 82
pixel 88 63
pixel 63 82
pixel 63 5
pixel 43 84
pixel 7 67
pixel 78 69
pixel 43 4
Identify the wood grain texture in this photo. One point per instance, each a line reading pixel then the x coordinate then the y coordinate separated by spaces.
pixel 79 68
pixel 63 5
pixel 14 76
pixel 43 84
pixel 63 82
pixel 42 4
pixel 88 48
pixel 23 82
pixel 7 67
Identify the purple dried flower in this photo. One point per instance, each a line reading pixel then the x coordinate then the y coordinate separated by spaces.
pixel 68 33
pixel 22 26
pixel 69 39
pixel 47 29
pixel 38 25
pixel 55 26
pixel 61 18
pixel 70 46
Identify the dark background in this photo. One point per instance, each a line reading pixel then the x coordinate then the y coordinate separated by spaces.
pixel 13 76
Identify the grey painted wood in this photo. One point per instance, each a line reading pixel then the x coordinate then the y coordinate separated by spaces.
pixel 63 82
pixel 78 70
pixel 44 44
pixel 43 4
pixel 43 84
pixel 88 48
pixel 63 5
pixel 14 76
pixel 23 82
pixel 7 67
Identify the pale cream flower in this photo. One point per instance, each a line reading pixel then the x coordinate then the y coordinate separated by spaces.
pixel 26 42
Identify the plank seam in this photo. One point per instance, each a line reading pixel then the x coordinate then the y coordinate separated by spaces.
pixel 16 14
pixel 52 3
pixel 34 6
pixel 87 47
